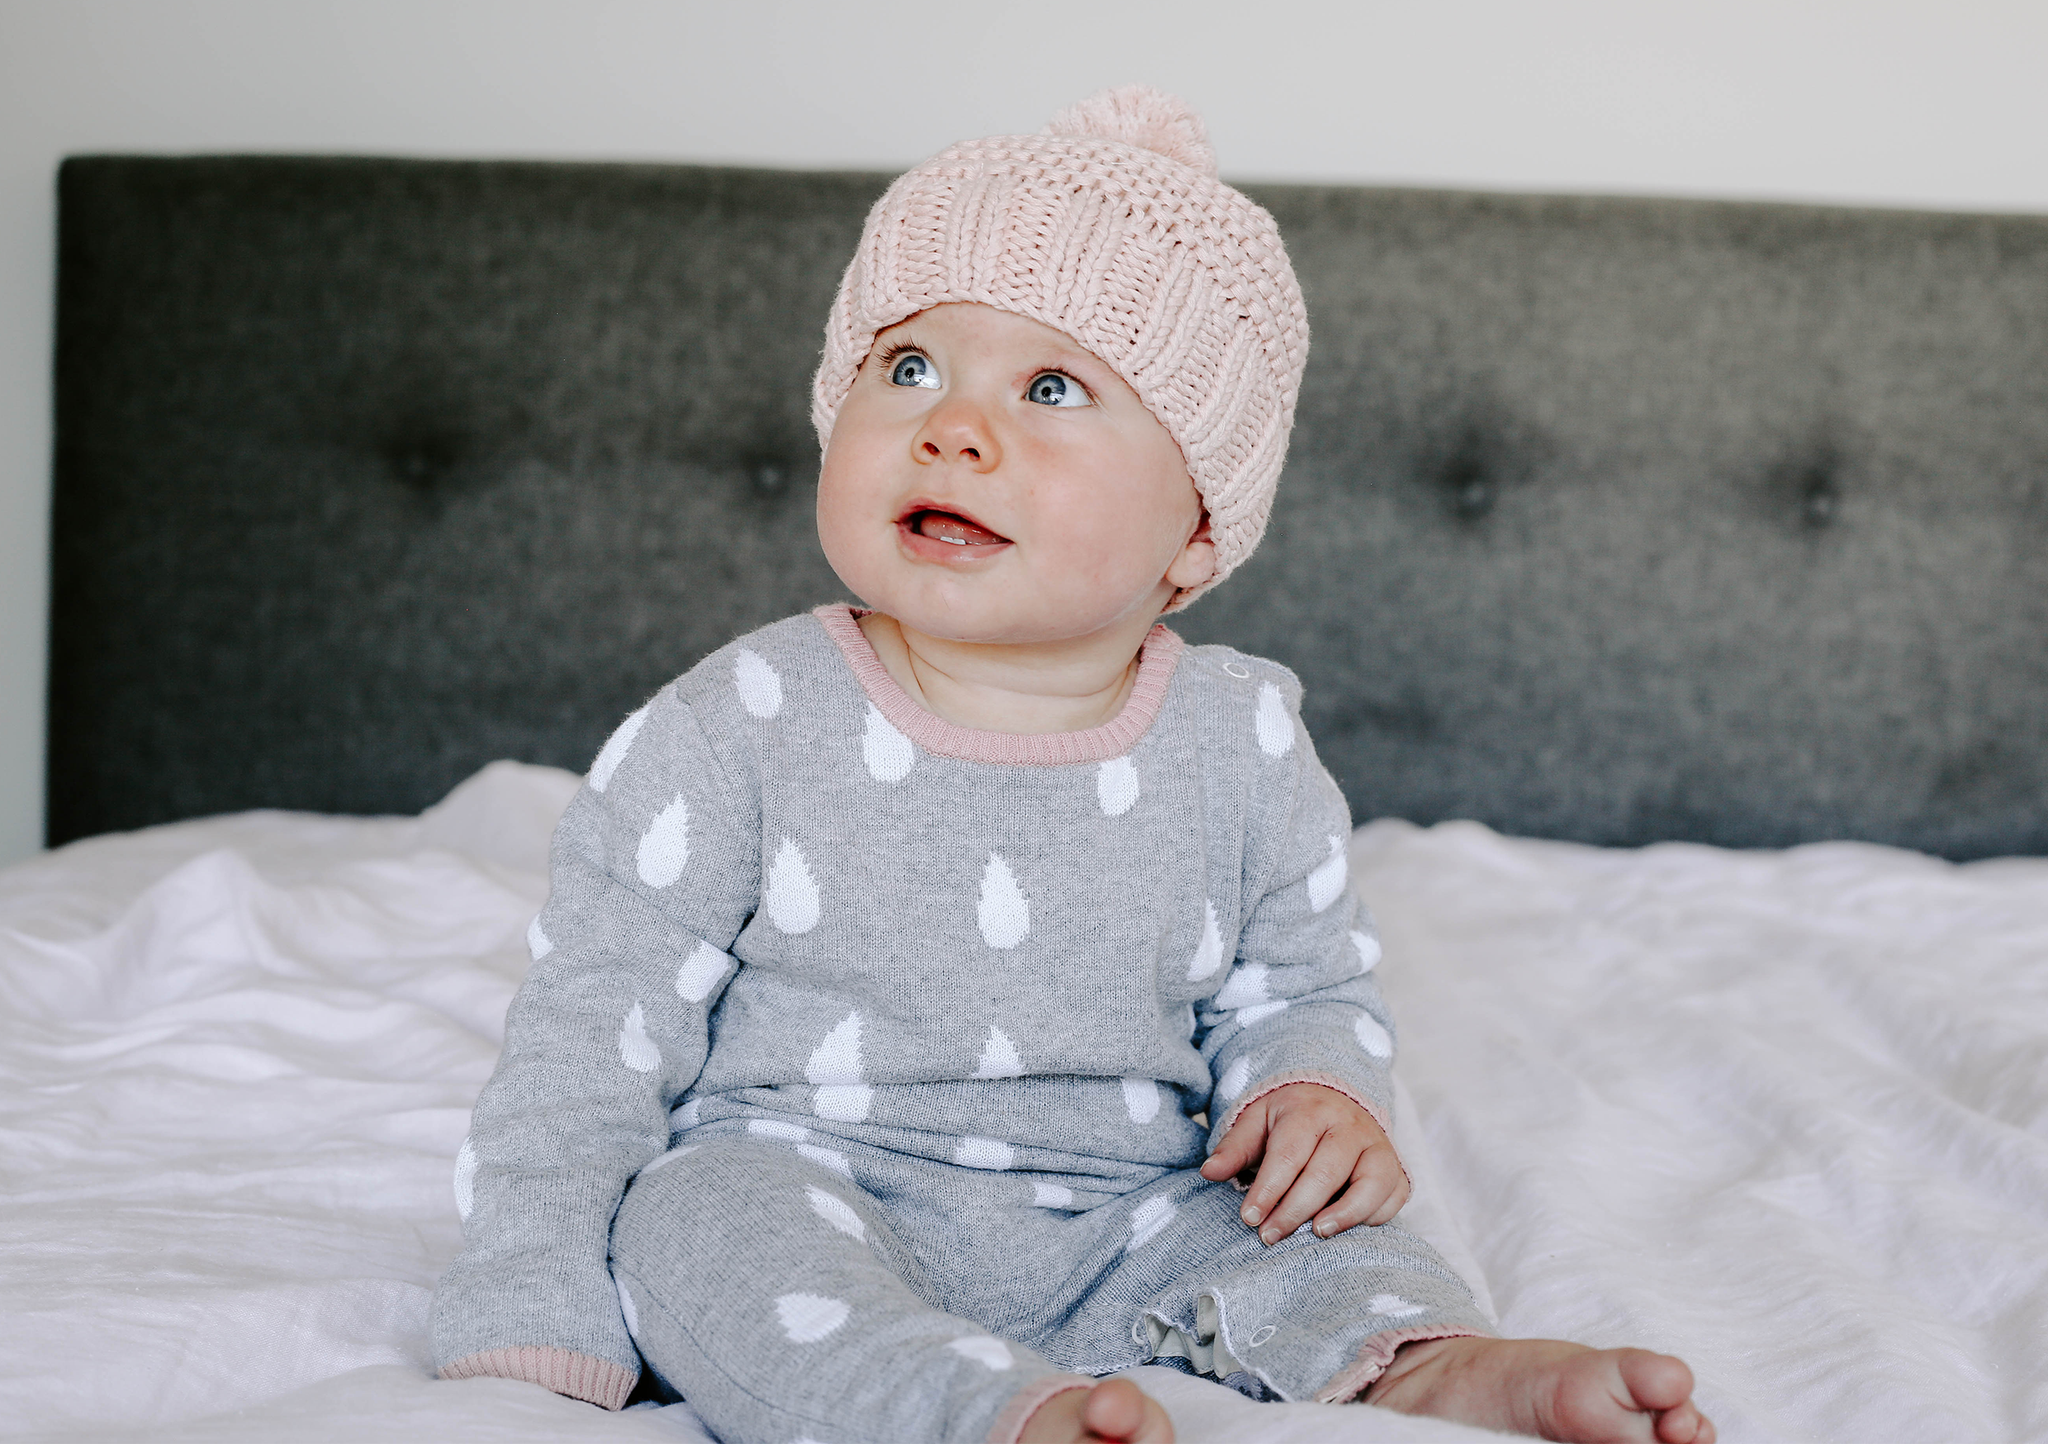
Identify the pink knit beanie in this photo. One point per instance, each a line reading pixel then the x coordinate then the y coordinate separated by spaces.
pixel 1109 225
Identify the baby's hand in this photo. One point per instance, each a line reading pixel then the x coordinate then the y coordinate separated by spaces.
pixel 1316 1144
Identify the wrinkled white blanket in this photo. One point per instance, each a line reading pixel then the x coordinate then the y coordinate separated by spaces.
pixel 1785 1114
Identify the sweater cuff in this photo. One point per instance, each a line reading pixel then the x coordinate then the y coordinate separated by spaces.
pixel 1376 1354
pixel 595 1381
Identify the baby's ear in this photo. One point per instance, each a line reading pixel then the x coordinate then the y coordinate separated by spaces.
pixel 1196 562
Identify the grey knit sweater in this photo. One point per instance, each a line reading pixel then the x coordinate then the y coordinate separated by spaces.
pixel 789 900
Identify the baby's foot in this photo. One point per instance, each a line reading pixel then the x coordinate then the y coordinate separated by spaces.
pixel 1548 1388
pixel 1115 1409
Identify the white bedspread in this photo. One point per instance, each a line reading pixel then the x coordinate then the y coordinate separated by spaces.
pixel 1785 1114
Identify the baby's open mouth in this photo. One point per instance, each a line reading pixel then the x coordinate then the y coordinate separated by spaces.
pixel 950 527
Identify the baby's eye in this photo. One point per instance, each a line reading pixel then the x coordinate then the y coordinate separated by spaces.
pixel 911 369
pixel 1049 388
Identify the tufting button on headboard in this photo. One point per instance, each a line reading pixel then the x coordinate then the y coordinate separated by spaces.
pixel 1470 489
pixel 1805 484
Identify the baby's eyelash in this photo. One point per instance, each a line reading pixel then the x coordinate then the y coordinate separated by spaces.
pixel 901 348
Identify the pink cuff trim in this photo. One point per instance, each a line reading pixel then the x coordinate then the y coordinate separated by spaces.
pixel 1157 659
pixel 1009 1425
pixel 1330 1081
pixel 595 1381
pixel 1378 1352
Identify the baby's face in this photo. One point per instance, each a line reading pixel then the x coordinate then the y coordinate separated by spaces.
pixel 988 480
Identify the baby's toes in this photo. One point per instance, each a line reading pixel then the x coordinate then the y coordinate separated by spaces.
pixel 1684 1425
pixel 1656 1381
pixel 1662 1385
pixel 1618 1396
pixel 1117 1409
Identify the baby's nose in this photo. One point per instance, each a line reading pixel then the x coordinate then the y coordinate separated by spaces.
pixel 959 431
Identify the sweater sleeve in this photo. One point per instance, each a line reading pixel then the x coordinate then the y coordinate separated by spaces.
pixel 1301 1005
pixel 655 868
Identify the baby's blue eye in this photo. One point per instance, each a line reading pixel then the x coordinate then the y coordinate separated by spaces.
pixel 1049 388
pixel 912 369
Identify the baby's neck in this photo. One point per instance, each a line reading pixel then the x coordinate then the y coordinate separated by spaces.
pixel 1049 687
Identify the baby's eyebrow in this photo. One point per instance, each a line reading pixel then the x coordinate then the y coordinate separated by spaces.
pixel 1070 357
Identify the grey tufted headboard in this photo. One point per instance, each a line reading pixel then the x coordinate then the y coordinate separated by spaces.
pixel 1613 520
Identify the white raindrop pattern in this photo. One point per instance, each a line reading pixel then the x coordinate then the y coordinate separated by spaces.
pixel 615 749
pixel 1245 987
pixel 759 687
pixel 1327 881
pixel 834 1070
pixel 776 1129
pixel 700 973
pixel 1148 1218
pixel 984 1153
pixel 1116 786
pixel 887 752
pixel 538 943
pixel 1368 951
pixel 685 1117
pixel 1004 915
pixel 1245 991
pixel 632 1315
pixel 1234 1078
pixel 1372 1037
pixel 665 848
pixel 1275 728
pixel 807 1318
pixel 465 1179
pixel 635 1047
pixel 989 1353
pixel 1141 1100
pixel 1051 1195
pixel 1209 951
pixel 791 900
pixel 837 1212
pixel 999 1056
pixel 1393 1306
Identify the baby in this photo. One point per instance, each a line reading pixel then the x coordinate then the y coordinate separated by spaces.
pixel 919 982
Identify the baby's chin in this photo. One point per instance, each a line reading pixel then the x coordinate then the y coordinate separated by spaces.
pixel 1027 625
pixel 1019 609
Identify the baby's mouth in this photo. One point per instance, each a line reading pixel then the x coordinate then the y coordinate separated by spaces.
pixel 951 527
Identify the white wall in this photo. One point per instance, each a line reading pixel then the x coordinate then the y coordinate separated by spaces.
pixel 1916 104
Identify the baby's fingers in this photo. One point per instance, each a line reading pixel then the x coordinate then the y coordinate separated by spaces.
pixel 1378 1190
pixel 1241 1145
pixel 1325 1172
pixel 1289 1146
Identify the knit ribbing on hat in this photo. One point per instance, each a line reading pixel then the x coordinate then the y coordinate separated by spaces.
pixel 1175 280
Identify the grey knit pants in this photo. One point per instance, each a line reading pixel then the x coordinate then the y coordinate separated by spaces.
pixel 788 1304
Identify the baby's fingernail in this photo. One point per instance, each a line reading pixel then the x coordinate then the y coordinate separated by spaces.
pixel 1252 1215
pixel 1271 1235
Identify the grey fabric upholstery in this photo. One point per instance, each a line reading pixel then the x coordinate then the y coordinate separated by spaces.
pixel 1613 520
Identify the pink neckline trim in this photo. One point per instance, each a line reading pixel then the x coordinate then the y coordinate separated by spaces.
pixel 1157 659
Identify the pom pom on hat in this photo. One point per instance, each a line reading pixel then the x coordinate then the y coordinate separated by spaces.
pixel 1141 116
pixel 1111 226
